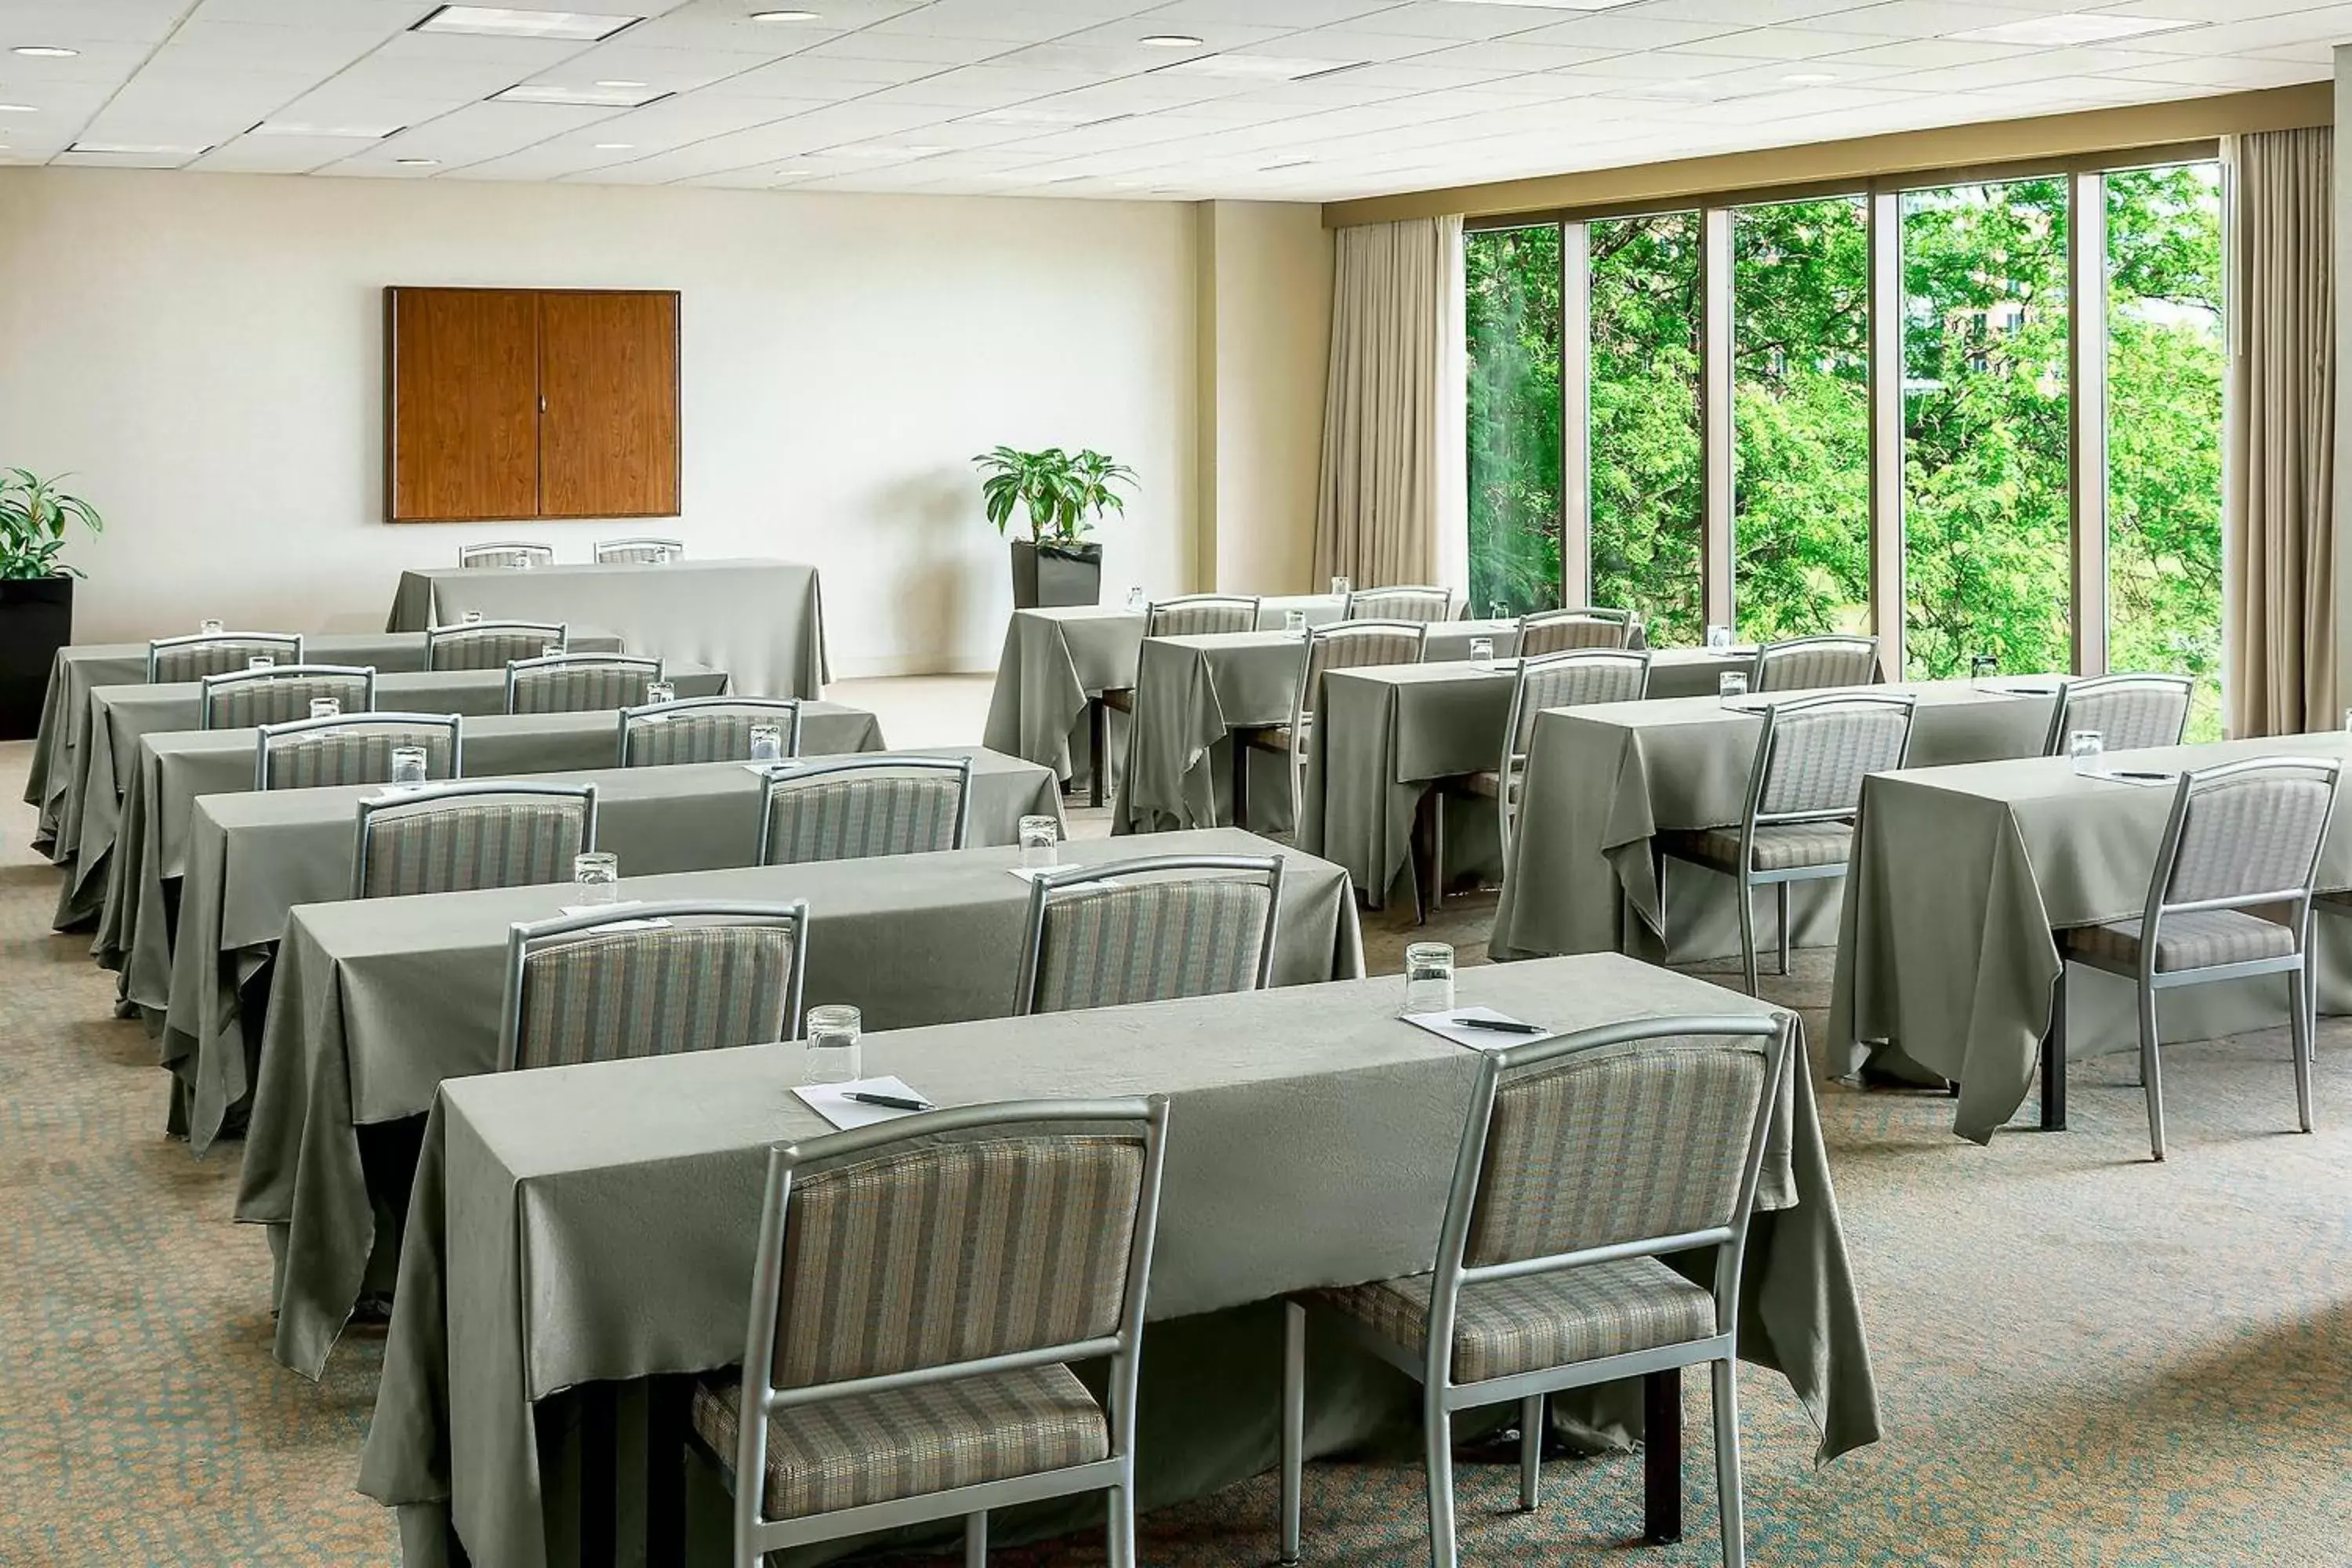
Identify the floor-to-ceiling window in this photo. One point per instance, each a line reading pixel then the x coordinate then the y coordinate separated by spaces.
pixel 1800 418
pixel 1511 279
pixel 1646 465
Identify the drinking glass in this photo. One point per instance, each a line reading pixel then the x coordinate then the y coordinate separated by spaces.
pixel 261 661
pixel 1039 835
pixel 767 742
pixel 2347 718
pixel 1499 610
pixel 471 618
pixel 209 627
pixel 1428 977
pixel 326 708
pixel 550 649
pixel 1294 623
pixel 1983 667
pixel 2086 747
pixel 1731 687
pixel 832 1056
pixel 1341 588
pixel 522 562
pixel 408 765
pixel 1718 638
pixel 598 875
pixel 661 557
pixel 658 692
pixel 1136 603
pixel 1482 653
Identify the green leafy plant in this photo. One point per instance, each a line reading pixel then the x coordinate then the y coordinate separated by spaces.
pixel 34 516
pixel 1061 492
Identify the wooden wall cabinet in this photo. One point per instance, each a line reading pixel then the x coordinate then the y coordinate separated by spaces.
pixel 507 405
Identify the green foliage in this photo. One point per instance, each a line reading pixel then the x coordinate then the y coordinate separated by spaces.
pixel 1646 480
pixel 1511 287
pixel 1058 491
pixel 34 517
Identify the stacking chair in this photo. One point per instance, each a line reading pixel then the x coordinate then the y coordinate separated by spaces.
pixel 490 645
pixel 2129 712
pixel 641 552
pixel 2241 836
pixel 609 986
pixel 506 554
pixel 201 654
pixel 579 682
pixel 1556 631
pixel 1586 1161
pixel 1348 644
pixel 1417 601
pixel 457 837
pixel 355 749
pixel 1188 616
pixel 916 1370
pixel 245 697
pixel 1811 664
pixel 850 808
pixel 1148 930
pixel 704 730
pixel 1802 794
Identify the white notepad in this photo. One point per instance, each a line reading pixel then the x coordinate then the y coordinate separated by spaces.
pixel 1441 1025
pixel 613 909
pixel 832 1101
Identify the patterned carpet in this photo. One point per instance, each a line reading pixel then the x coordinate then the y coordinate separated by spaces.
pixel 2087 1360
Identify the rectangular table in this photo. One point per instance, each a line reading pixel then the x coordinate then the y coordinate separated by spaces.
pixel 375 1002
pixel 596 1225
pixel 1603 782
pixel 1961 876
pixel 761 620
pixel 119 715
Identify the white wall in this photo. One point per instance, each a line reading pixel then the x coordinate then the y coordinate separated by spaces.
pixel 204 353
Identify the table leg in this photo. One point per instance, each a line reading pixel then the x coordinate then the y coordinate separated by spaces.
pixel 1241 778
pixel 2054 1061
pixel 1661 1457
pixel 669 1410
pixel 1097 743
pixel 600 1475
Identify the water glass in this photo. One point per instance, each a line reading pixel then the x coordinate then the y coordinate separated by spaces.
pixel 1482 653
pixel 208 627
pixel 326 708
pixel 1731 687
pixel 550 649
pixel 1137 602
pixel 767 743
pixel 471 618
pixel 661 557
pixel 1983 667
pixel 658 692
pixel 1341 588
pixel 522 562
pixel 408 765
pixel 832 1055
pixel 1039 835
pixel 598 875
pixel 1718 638
pixel 1294 623
pixel 2347 718
pixel 1428 977
pixel 261 661
pixel 1499 610
pixel 2086 747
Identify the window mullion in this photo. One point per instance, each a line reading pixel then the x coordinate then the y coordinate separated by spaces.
pixel 1576 414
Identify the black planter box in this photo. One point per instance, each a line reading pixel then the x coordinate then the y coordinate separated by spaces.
pixel 36 620
pixel 1044 575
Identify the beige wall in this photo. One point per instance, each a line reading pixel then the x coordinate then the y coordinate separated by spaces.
pixel 204 353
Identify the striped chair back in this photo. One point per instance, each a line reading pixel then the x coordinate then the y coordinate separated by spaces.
pixel 2130 712
pixel 640 552
pixel 217 653
pixel 1150 930
pixel 245 698
pixel 2247 831
pixel 1573 679
pixel 1355 645
pixel 1557 631
pixel 1816 750
pixel 713 976
pixel 506 554
pixel 579 682
pixel 1809 664
pixel 490 645
pixel 849 808
pixel 311 754
pixel 457 837
pixel 704 730
pixel 1418 602
pixel 1201 615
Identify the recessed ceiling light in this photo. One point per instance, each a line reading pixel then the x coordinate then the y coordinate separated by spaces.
pixel 1809 78
pixel 417 163
pixel 878 150
pixel 1265 67
pixel 1554 5
pixel 617 82
pixel 578 97
pixel 616 146
pixel 1170 41
pixel 18 109
pixel 297 128
pixel 783 15
pixel 1042 117
pixel 138 149
pixel 504 21
pixel 1285 163
pixel 45 51
pixel 2060 32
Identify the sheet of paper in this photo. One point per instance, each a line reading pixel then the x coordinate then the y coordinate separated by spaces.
pixel 1031 873
pixel 614 908
pixel 832 1101
pixel 1443 1025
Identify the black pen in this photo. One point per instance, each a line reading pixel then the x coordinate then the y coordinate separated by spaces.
pixel 889 1101
pixel 1500 1025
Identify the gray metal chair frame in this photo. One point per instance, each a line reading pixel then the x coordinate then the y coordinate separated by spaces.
pixel 1365 603
pixel 520 669
pixel 1536 623
pixel 2295 964
pixel 1773 655
pixel 2072 692
pixel 786 710
pixel 442 793
pixel 506 553
pixel 642 551
pixel 438 637
pixel 230 680
pixel 1063 883
pixel 526 938
pixel 1752 816
pixel 452 724
pixel 784 780
pixel 1311 671
pixel 289 645
pixel 755 1537
pixel 1433 1367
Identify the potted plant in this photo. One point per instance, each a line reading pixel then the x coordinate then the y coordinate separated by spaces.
pixel 36 591
pixel 1061 494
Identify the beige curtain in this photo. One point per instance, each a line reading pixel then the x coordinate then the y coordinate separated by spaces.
pixel 2278 507
pixel 1392 505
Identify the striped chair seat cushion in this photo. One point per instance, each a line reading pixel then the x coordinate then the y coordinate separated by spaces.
pixel 911 1442
pixel 1270 738
pixel 2197 940
pixel 1540 1321
pixel 1488 784
pixel 1782 846
pixel 1120 697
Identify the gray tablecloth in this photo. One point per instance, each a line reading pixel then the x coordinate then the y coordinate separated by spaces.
pixel 762 621
pixel 1961 874
pixel 106 759
pixel 1602 781
pixel 375 1002
pixel 598 1224
pixel 1191 693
